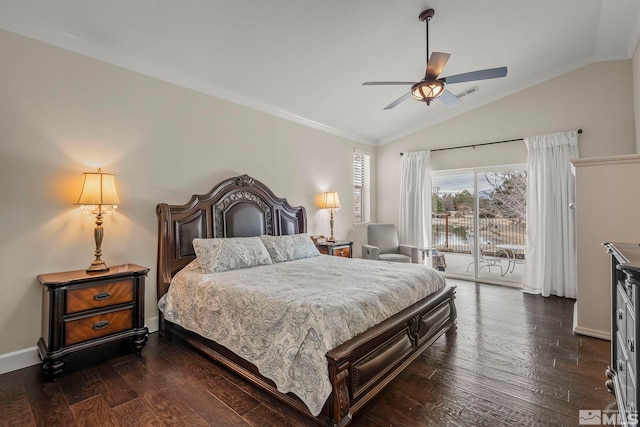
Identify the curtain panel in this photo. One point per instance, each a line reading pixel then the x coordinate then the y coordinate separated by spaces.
pixel 551 242
pixel 415 199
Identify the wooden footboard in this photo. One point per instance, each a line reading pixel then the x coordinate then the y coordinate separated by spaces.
pixel 359 368
pixel 362 366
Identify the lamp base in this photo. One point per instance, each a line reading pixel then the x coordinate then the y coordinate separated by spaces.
pixel 331 238
pixel 97 265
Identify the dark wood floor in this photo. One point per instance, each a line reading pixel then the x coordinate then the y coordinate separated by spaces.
pixel 512 361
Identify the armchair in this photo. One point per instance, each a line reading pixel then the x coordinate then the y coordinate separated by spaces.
pixel 383 245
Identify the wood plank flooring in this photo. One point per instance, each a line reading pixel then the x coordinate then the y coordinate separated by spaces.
pixel 513 360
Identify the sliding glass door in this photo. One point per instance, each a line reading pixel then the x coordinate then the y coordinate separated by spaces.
pixel 479 222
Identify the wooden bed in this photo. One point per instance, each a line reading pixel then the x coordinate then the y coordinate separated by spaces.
pixel 358 369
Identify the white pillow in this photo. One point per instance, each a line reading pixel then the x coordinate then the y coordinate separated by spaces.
pixel 290 247
pixel 222 254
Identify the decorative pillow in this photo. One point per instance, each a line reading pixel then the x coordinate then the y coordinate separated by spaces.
pixel 222 254
pixel 290 247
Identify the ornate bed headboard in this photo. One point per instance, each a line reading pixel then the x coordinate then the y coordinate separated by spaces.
pixel 237 207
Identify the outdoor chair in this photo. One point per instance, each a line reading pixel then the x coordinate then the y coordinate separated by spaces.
pixel 484 260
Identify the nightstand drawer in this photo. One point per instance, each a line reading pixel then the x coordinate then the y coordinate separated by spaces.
pixel 343 252
pixel 99 296
pixel 338 248
pixel 97 326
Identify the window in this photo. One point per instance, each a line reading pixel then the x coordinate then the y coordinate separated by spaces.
pixel 361 187
pixel 479 222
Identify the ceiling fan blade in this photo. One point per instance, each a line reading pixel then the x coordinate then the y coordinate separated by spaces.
pixel 398 101
pixel 436 64
pixel 449 99
pixel 388 83
pixel 490 73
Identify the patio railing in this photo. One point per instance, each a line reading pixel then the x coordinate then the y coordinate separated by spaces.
pixel 450 233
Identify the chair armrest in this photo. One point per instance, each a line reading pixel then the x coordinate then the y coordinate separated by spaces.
pixel 370 252
pixel 411 251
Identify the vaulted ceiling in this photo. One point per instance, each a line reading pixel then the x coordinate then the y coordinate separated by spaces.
pixel 305 60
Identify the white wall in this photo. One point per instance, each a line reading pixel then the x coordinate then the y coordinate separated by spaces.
pixel 567 102
pixel 636 93
pixel 62 114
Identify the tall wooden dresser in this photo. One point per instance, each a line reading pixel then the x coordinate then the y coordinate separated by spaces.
pixel 625 300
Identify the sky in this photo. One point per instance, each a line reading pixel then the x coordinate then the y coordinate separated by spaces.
pixel 457 183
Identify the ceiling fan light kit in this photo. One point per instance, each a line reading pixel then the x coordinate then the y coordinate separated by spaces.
pixel 431 86
pixel 427 90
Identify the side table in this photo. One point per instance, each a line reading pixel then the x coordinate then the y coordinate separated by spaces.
pixel 81 310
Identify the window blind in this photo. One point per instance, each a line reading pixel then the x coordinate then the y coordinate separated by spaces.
pixel 361 187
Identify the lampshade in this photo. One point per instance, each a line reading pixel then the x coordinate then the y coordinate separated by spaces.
pixel 98 189
pixel 427 90
pixel 330 200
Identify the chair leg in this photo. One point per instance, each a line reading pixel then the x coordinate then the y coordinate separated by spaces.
pixel 489 265
pixel 470 264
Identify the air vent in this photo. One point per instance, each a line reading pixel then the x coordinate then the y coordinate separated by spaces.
pixel 467 91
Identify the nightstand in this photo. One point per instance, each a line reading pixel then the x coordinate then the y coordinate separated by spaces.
pixel 81 310
pixel 337 248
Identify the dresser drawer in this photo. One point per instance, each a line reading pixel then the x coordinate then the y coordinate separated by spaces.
pixel 621 311
pixel 88 328
pixel 343 252
pixel 630 395
pixel 630 289
pixel 630 340
pixel 99 296
pixel 621 378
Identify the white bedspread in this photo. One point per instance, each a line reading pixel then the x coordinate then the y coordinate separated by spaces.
pixel 284 317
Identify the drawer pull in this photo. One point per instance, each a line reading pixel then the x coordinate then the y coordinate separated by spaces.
pixel 102 296
pixel 630 345
pixel 620 314
pixel 620 366
pixel 101 325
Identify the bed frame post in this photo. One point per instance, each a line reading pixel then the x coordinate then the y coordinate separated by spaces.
pixel 339 414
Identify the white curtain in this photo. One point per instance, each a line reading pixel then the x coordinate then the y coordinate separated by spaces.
pixel 551 246
pixel 415 199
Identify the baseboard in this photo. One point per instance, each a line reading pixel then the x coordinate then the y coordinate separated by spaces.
pixel 592 333
pixel 587 331
pixel 19 359
pixel 29 356
pixel 152 324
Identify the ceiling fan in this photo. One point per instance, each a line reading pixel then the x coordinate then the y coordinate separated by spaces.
pixel 432 87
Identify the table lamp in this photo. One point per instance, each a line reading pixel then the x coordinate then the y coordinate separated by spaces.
pixel 98 196
pixel 330 201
